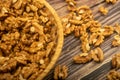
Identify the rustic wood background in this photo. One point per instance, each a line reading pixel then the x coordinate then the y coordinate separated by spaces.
pixel 92 70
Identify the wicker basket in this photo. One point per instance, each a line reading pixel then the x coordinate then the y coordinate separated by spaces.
pixel 34 36
pixel 59 42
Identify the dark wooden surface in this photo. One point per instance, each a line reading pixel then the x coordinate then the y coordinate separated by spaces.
pixel 91 70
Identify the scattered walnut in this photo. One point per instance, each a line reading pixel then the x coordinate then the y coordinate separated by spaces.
pixel 113 75
pixel 85 46
pixel 95 26
pixel 96 39
pixel 108 30
pixel 97 54
pixel 69 29
pixel 82 58
pixel 71 5
pixel 117 28
pixel 80 30
pixel 103 10
pixel 116 41
pixel 111 1
pixel 83 9
pixel 85 43
pixel 60 72
pixel 116 61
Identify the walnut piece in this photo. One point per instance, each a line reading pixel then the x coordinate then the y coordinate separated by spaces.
pixel 60 72
pixel 116 61
pixel 85 43
pixel 103 10
pixel 97 54
pixel 117 28
pixel 94 26
pixel 116 40
pixel 96 39
pixel 113 75
pixel 71 5
pixel 82 58
pixel 108 30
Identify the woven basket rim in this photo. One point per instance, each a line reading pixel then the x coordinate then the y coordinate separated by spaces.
pixel 59 42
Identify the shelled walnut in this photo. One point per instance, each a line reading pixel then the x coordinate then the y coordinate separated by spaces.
pixel 113 75
pixel 116 40
pixel 116 61
pixel 71 5
pixel 103 10
pixel 85 43
pixel 94 26
pixel 97 54
pixel 60 72
pixel 96 39
pixel 108 30
pixel 117 28
pixel 82 58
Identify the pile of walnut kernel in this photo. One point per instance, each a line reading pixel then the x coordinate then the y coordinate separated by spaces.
pixel 27 37
pixel 80 22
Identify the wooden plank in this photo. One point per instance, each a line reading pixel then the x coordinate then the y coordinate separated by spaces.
pixel 92 70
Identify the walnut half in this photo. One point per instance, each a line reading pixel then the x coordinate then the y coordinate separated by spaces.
pixel 97 54
pixel 60 72
pixel 82 58
pixel 116 61
pixel 103 10
pixel 116 41
pixel 113 75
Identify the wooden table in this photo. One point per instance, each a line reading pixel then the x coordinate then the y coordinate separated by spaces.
pixel 91 70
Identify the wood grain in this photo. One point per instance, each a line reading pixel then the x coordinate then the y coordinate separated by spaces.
pixel 92 70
